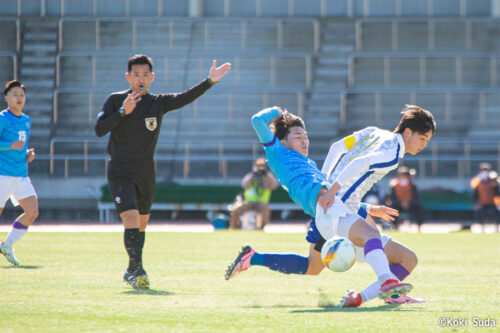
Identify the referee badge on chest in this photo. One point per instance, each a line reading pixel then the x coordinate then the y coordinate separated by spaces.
pixel 151 123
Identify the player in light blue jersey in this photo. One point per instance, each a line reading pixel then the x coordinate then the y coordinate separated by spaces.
pixel 14 158
pixel 286 146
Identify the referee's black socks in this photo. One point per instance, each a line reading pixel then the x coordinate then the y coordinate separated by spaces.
pixel 142 235
pixel 142 238
pixel 134 241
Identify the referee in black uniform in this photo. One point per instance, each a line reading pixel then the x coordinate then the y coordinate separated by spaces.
pixel 134 119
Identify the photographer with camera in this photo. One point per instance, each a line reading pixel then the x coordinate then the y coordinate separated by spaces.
pixel 257 185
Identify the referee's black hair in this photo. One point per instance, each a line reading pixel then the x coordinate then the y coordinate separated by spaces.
pixel 13 84
pixel 139 59
pixel 282 124
pixel 416 119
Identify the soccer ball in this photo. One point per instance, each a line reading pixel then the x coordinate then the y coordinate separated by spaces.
pixel 338 254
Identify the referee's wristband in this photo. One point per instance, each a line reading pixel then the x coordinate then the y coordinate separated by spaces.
pixel 121 112
pixel 211 82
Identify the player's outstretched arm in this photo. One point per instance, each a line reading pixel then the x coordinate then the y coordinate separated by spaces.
pixel 384 212
pixel 260 120
pixel 337 149
pixel 334 153
pixel 326 199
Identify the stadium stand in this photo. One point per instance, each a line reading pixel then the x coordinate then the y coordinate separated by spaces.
pixel 271 65
pixel 447 65
pixel 142 34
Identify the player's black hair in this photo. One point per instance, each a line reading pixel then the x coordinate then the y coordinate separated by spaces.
pixel 416 119
pixel 13 84
pixel 282 124
pixel 140 59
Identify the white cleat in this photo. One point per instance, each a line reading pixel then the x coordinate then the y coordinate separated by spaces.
pixel 8 252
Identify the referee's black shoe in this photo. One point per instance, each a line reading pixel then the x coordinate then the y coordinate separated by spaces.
pixel 137 281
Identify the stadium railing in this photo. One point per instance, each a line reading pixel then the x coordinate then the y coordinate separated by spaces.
pixel 10 38
pixel 427 34
pixel 384 103
pixel 187 152
pixel 8 66
pixel 227 8
pixel 454 158
pixel 94 7
pixel 425 69
pixel 234 104
pixel 445 157
pixel 269 70
pixel 95 34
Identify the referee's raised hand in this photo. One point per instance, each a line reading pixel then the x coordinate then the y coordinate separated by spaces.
pixel 216 73
pixel 131 101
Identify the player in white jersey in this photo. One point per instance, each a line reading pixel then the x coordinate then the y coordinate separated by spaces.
pixel 357 162
pixel 14 158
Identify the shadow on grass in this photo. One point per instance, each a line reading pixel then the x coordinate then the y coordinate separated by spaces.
pixel 277 306
pixel 149 292
pixel 381 308
pixel 22 267
pixel 334 308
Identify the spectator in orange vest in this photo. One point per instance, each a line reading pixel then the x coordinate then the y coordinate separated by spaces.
pixel 404 196
pixel 486 193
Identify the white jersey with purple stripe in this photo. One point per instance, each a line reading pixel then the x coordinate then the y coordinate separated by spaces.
pixel 13 128
pixel 360 160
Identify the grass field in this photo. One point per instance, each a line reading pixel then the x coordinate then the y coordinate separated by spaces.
pixel 71 282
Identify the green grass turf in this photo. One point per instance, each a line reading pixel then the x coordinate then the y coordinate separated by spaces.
pixel 72 282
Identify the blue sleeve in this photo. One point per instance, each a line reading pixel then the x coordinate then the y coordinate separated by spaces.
pixel 259 123
pixel 4 145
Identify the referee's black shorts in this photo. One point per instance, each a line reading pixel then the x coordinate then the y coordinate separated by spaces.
pixel 132 185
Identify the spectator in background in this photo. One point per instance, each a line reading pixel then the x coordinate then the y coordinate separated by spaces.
pixel 257 185
pixel 404 196
pixel 486 193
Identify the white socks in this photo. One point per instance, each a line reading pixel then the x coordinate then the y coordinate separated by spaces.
pixel 370 292
pixel 375 256
pixel 18 231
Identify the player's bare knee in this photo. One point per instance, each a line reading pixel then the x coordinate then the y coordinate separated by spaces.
pixel 372 233
pixel 31 213
pixel 411 260
pixel 361 232
pixel 142 226
pixel 314 269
